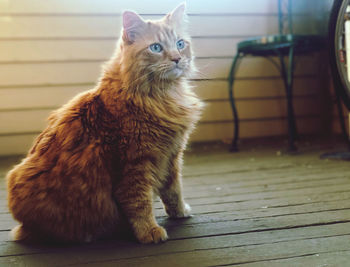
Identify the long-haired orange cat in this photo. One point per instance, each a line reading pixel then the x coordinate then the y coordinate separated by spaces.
pixel 106 153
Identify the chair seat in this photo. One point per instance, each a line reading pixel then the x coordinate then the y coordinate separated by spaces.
pixel 272 44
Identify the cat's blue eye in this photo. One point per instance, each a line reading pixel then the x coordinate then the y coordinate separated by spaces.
pixel 156 48
pixel 180 44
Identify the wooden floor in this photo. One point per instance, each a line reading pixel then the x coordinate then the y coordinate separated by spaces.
pixel 258 207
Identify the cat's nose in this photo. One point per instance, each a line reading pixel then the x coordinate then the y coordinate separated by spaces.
pixel 176 59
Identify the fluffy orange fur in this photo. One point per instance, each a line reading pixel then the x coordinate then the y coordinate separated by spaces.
pixel 106 152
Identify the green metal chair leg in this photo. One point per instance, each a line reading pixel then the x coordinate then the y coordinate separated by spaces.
pixel 291 83
pixel 287 75
pixel 234 147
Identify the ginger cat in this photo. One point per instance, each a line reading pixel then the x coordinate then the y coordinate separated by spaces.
pixel 106 152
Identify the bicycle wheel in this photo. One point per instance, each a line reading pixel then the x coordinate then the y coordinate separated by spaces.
pixel 337 49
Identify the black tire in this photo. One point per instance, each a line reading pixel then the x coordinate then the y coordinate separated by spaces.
pixel 336 27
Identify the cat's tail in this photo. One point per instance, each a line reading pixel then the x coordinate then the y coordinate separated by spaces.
pixel 19 233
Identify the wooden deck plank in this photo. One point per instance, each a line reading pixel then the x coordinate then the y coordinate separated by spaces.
pixel 122 250
pixel 254 208
pixel 196 257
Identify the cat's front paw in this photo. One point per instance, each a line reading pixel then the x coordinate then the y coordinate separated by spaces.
pixel 154 235
pixel 184 212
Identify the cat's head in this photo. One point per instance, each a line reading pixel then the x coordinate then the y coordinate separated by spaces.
pixel 158 48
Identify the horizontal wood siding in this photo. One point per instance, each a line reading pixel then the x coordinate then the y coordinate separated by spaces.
pixel 51 50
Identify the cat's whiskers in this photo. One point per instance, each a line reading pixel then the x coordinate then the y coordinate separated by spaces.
pixel 200 73
pixel 163 77
pixel 161 69
pixel 137 80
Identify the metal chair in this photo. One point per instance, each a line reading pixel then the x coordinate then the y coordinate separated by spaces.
pixel 281 45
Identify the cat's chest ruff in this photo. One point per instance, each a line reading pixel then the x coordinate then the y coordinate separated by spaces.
pixel 174 118
pixel 184 110
pixel 161 120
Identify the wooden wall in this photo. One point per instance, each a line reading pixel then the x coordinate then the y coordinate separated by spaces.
pixel 52 49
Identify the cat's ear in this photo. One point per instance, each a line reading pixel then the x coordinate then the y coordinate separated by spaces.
pixel 177 17
pixel 133 25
